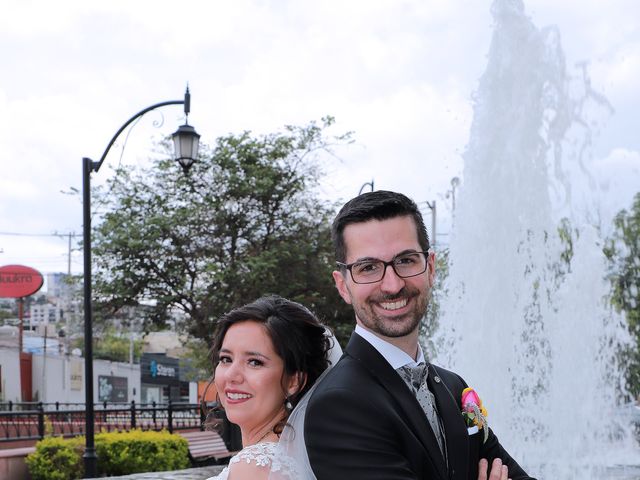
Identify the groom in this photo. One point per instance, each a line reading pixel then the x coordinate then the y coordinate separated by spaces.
pixel 384 412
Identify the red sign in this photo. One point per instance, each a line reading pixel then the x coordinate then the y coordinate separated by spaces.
pixel 18 281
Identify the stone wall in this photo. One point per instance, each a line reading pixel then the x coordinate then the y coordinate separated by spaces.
pixel 13 467
pixel 188 474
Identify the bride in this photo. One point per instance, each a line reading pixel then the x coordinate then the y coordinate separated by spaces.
pixel 267 355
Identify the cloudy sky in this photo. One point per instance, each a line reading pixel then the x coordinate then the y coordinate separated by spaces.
pixel 399 73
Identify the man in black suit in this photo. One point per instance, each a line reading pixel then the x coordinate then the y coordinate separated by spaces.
pixel 366 419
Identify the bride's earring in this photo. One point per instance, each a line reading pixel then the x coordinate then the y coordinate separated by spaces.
pixel 287 405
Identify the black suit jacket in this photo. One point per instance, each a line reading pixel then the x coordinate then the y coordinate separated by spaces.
pixel 363 422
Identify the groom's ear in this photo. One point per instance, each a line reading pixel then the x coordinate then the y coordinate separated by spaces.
pixel 341 285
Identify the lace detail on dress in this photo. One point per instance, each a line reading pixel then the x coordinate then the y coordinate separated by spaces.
pixel 264 455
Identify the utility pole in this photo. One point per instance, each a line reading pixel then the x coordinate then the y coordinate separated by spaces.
pixel 69 258
pixel 432 207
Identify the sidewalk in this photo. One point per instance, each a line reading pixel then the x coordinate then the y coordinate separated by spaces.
pixel 188 474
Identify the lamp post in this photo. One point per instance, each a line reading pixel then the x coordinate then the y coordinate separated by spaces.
pixel 455 181
pixel 370 184
pixel 186 142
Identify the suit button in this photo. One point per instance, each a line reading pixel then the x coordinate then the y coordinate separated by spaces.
pixel 436 379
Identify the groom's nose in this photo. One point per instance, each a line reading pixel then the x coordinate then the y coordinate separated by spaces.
pixel 391 282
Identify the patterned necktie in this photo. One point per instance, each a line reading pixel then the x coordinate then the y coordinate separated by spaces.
pixel 416 379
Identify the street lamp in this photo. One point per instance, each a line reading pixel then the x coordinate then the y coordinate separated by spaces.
pixel 186 142
pixel 455 181
pixel 370 184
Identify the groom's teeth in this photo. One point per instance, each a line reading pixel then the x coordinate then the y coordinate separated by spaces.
pixel 394 305
pixel 238 396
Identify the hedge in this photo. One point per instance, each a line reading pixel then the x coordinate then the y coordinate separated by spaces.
pixel 57 459
pixel 119 453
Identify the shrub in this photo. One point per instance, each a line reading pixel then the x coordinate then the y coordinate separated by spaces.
pixel 118 453
pixel 57 459
pixel 137 451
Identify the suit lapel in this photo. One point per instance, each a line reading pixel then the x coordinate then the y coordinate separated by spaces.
pixel 454 426
pixel 376 364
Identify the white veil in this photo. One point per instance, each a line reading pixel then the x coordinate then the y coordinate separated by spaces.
pixel 291 445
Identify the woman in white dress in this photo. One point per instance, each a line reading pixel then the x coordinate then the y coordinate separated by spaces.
pixel 266 355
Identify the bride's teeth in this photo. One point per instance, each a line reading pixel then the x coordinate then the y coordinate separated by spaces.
pixel 238 396
pixel 394 305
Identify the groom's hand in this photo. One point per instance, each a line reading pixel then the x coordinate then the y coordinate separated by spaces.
pixel 498 471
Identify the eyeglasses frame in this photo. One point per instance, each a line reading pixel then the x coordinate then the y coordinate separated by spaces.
pixel 390 263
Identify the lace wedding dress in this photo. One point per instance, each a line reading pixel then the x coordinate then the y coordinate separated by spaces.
pixel 265 455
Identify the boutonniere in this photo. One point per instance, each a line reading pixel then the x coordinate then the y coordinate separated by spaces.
pixel 473 411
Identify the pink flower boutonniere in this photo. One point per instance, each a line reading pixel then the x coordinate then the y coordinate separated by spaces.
pixel 473 411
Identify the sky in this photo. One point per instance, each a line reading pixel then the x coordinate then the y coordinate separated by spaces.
pixel 400 74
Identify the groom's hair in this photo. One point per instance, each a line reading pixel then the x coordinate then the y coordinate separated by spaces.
pixel 378 205
pixel 297 335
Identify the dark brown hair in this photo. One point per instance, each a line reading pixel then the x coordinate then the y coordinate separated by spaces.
pixel 378 205
pixel 297 335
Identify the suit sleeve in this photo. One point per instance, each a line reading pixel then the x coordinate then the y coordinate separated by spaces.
pixel 350 435
pixel 493 449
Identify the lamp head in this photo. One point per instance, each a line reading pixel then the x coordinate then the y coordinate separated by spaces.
pixel 186 142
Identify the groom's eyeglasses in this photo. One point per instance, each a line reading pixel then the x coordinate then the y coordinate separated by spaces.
pixel 371 271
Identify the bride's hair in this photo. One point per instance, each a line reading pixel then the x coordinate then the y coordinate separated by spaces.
pixel 297 335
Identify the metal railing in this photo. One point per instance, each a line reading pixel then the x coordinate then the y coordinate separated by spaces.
pixel 34 421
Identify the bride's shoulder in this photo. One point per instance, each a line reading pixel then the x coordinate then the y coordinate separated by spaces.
pixel 260 453
pixel 262 461
pixel 253 462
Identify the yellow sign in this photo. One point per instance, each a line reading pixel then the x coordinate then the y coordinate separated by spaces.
pixel 76 374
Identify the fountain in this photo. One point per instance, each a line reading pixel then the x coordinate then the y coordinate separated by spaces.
pixel 525 318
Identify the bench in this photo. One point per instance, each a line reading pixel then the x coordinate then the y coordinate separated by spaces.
pixel 206 447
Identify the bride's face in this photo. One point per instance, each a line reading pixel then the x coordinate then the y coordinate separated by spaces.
pixel 249 378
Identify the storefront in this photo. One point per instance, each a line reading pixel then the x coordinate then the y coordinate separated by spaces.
pixel 160 379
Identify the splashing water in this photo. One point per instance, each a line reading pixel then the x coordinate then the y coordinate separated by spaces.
pixel 525 319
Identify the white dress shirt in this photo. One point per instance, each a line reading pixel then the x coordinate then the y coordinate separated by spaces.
pixel 395 356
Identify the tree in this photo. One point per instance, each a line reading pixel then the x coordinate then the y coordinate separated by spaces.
pixel 112 345
pixel 623 250
pixel 244 222
pixel 439 292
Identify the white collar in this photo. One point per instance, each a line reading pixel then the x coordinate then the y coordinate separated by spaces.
pixel 395 356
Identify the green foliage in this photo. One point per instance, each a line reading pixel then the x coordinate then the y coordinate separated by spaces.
pixel 439 291
pixel 623 251
pixel 199 366
pixel 57 459
pixel 244 222
pixel 111 345
pixel 119 453
pixel 116 348
pixel 137 451
pixel 566 234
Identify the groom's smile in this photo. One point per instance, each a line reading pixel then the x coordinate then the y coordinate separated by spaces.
pixel 394 305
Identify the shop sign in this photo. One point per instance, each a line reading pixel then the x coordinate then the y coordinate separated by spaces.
pixel 112 389
pixel 17 281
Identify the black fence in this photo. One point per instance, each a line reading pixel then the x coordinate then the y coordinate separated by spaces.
pixel 34 421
